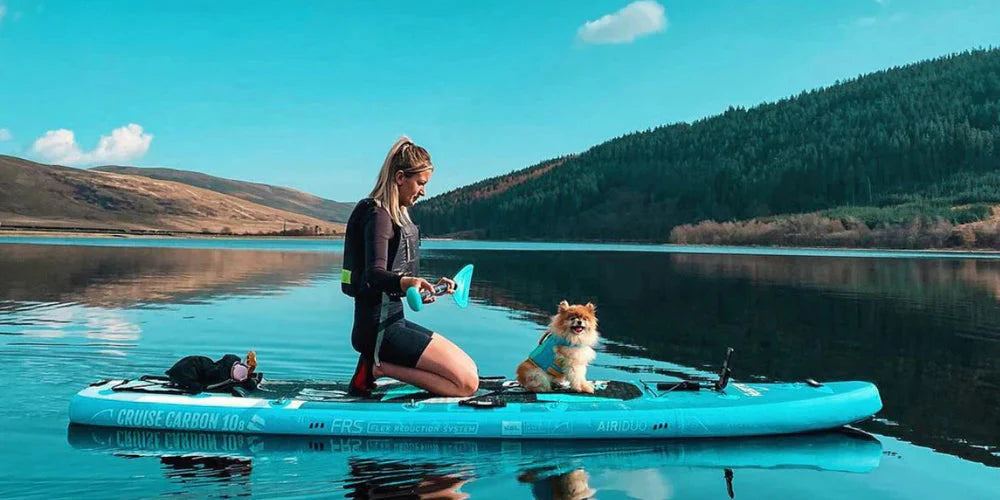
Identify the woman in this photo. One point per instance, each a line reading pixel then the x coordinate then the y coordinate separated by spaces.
pixel 381 262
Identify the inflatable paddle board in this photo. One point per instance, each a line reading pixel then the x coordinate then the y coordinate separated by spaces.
pixel 637 409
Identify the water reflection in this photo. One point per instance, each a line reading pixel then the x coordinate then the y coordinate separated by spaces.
pixel 189 468
pixel 37 275
pixel 412 468
pixel 370 478
pixel 938 283
pixel 572 485
pixel 927 332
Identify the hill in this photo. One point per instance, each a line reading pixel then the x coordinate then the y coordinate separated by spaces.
pixel 55 196
pixel 282 198
pixel 925 134
pixel 466 208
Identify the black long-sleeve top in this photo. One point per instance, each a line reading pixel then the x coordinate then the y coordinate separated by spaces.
pixel 381 237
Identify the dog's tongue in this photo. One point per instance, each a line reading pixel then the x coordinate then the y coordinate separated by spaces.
pixel 577 329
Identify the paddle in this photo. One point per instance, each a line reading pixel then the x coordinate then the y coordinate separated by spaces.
pixel 699 383
pixel 463 280
pixel 726 372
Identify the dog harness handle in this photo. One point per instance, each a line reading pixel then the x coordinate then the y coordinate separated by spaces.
pixel 544 355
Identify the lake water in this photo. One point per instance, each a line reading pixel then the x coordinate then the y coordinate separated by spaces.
pixel 924 327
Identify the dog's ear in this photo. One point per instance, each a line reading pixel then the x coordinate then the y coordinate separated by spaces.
pixel 591 306
pixel 563 306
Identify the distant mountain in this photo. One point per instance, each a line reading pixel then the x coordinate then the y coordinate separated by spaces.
pixel 925 132
pixel 55 196
pixel 281 198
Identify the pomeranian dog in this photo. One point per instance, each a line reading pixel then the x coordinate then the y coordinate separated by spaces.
pixel 564 351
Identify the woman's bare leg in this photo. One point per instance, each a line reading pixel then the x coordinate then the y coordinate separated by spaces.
pixel 443 369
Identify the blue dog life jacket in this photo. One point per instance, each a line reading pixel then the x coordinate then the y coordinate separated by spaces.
pixel 544 356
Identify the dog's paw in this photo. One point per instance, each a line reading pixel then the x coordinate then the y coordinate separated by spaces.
pixel 586 387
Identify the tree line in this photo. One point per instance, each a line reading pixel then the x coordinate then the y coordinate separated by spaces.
pixel 926 134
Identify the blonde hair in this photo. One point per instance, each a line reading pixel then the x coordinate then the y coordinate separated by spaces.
pixel 404 156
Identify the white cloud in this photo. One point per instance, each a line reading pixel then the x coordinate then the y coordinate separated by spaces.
pixel 5 135
pixel 637 19
pixel 124 144
pixel 58 146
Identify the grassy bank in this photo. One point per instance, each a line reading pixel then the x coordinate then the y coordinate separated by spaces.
pixel 913 225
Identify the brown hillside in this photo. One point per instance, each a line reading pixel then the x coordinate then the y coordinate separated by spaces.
pixel 282 198
pixel 34 193
pixel 500 184
pixel 491 187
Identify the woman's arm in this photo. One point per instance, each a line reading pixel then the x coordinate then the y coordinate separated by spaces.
pixel 378 232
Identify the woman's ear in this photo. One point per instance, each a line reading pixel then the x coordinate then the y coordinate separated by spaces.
pixel 400 176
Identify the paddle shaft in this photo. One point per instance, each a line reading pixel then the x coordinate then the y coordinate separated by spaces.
pixel 438 290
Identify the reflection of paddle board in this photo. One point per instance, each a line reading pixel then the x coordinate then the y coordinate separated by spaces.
pixel 501 409
pixel 842 450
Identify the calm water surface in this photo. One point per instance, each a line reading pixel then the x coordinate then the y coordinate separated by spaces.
pixel 925 328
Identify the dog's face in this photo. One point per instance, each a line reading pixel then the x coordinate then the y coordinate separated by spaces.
pixel 576 323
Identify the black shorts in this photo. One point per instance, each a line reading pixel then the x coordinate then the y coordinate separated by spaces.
pixel 403 342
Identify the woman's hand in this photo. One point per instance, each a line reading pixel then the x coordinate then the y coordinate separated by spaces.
pixel 422 285
pixel 450 283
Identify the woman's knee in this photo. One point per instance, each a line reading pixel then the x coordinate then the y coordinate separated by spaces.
pixel 446 359
pixel 466 378
pixel 468 382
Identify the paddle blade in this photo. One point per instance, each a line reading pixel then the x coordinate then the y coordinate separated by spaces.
pixel 413 299
pixel 463 282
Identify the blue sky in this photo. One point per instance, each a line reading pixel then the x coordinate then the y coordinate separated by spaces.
pixel 310 94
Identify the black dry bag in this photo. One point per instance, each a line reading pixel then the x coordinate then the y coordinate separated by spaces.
pixel 354 248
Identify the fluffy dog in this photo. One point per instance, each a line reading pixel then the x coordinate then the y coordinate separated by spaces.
pixel 563 352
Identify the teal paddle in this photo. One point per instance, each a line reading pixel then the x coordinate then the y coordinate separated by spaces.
pixel 463 281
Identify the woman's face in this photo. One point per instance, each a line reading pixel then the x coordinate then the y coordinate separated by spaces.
pixel 411 188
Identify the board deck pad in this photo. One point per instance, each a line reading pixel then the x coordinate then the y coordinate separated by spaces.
pixel 497 390
pixel 507 391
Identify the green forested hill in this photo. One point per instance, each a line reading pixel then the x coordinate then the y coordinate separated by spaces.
pixel 926 131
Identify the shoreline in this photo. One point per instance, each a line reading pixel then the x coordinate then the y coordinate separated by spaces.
pixel 990 251
pixel 18 233
pixel 958 251
pixel 21 233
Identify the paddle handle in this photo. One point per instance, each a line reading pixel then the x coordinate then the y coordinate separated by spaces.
pixel 416 297
pixel 726 372
pixel 438 290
